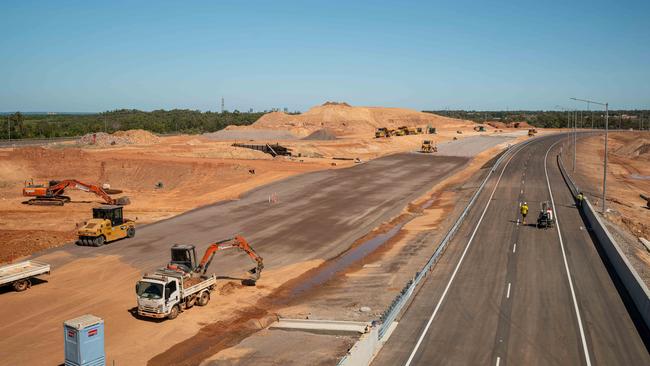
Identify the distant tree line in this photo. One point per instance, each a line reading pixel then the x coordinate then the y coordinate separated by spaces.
pixel 618 119
pixel 21 126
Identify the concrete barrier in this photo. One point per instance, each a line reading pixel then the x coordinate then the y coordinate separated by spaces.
pixel 635 287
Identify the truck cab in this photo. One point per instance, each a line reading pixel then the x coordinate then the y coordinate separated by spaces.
pixel 159 294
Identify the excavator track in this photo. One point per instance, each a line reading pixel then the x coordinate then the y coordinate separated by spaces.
pixel 48 201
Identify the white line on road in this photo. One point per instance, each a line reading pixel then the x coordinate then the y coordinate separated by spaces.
pixel 498 360
pixel 460 261
pixel 508 294
pixel 514 248
pixel 566 263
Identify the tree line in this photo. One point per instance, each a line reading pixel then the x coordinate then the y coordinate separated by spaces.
pixel 22 126
pixel 618 119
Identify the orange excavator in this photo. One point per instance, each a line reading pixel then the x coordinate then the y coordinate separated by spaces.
pixel 53 193
pixel 184 258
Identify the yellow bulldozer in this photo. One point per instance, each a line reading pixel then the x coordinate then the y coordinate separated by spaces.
pixel 428 147
pixel 108 224
pixel 382 132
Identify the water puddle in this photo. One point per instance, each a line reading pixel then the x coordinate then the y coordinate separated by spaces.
pixel 348 258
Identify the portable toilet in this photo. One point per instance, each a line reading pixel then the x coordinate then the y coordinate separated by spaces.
pixel 84 341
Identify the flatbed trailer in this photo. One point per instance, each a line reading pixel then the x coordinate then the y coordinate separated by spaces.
pixel 19 275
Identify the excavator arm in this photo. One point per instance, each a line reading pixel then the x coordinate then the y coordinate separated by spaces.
pixel 75 184
pixel 237 242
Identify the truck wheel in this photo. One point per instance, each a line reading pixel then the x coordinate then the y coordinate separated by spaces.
pixel 21 285
pixel 174 313
pixel 130 232
pixel 99 241
pixel 204 299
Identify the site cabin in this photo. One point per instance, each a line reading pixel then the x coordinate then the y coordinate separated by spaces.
pixel 19 275
pixel 166 293
pixel 108 224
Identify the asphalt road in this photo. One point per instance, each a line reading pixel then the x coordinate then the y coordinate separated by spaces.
pixel 506 293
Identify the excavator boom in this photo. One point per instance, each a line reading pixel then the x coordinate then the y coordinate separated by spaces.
pixel 237 242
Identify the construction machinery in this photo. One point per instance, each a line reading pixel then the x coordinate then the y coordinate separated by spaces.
pixel 382 132
pixel 532 132
pixel 428 147
pixel 479 128
pixel 183 283
pixel 431 130
pixel 108 224
pixel 19 275
pixel 53 194
pixel 419 131
pixel 545 219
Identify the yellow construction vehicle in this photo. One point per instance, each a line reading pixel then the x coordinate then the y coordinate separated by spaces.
pixel 428 147
pixel 107 224
pixel 419 130
pixel 382 132
pixel 532 132
pixel 401 131
pixel 479 128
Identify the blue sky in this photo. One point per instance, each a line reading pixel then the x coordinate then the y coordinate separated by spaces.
pixel 89 56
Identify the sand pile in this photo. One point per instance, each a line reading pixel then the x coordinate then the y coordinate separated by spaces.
pixel 237 133
pixel 343 119
pixel 322 134
pixel 130 137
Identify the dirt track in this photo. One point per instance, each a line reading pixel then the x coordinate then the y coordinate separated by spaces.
pixel 318 215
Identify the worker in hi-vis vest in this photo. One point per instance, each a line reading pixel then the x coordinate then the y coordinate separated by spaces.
pixel 524 211
pixel 581 198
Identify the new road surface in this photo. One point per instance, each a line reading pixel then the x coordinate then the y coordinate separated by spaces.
pixel 506 293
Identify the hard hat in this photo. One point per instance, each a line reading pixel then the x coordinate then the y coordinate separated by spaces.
pixel 525 203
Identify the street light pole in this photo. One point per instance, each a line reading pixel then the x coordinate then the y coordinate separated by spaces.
pixel 575 132
pixel 606 105
pixel 605 162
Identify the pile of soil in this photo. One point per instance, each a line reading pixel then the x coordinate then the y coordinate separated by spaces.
pixel 130 137
pixel 519 125
pixel 497 124
pixel 322 134
pixel 343 119
pixel 239 134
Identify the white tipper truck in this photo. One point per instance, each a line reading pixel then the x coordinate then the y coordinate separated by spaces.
pixel 165 293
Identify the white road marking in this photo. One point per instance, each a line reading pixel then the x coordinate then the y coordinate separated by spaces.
pixel 460 261
pixel 566 263
pixel 508 294
pixel 498 360
pixel 514 248
pixel 522 191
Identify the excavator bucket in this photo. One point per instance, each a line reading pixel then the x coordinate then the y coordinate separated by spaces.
pixel 123 201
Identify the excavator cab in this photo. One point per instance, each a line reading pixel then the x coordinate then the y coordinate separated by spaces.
pixel 184 257
pixel 109 212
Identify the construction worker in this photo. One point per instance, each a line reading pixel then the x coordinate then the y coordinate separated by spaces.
pixel 580 198
pixel 524 211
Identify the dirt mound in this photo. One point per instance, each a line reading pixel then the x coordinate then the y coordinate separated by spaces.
pixel 239 133
pixel 497 124
pixel 322 134
pixel 343 119
pixel 638 148
pixel 522 124
pixel 130 137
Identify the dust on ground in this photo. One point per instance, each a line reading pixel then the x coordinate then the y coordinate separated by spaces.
pixel 628 176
